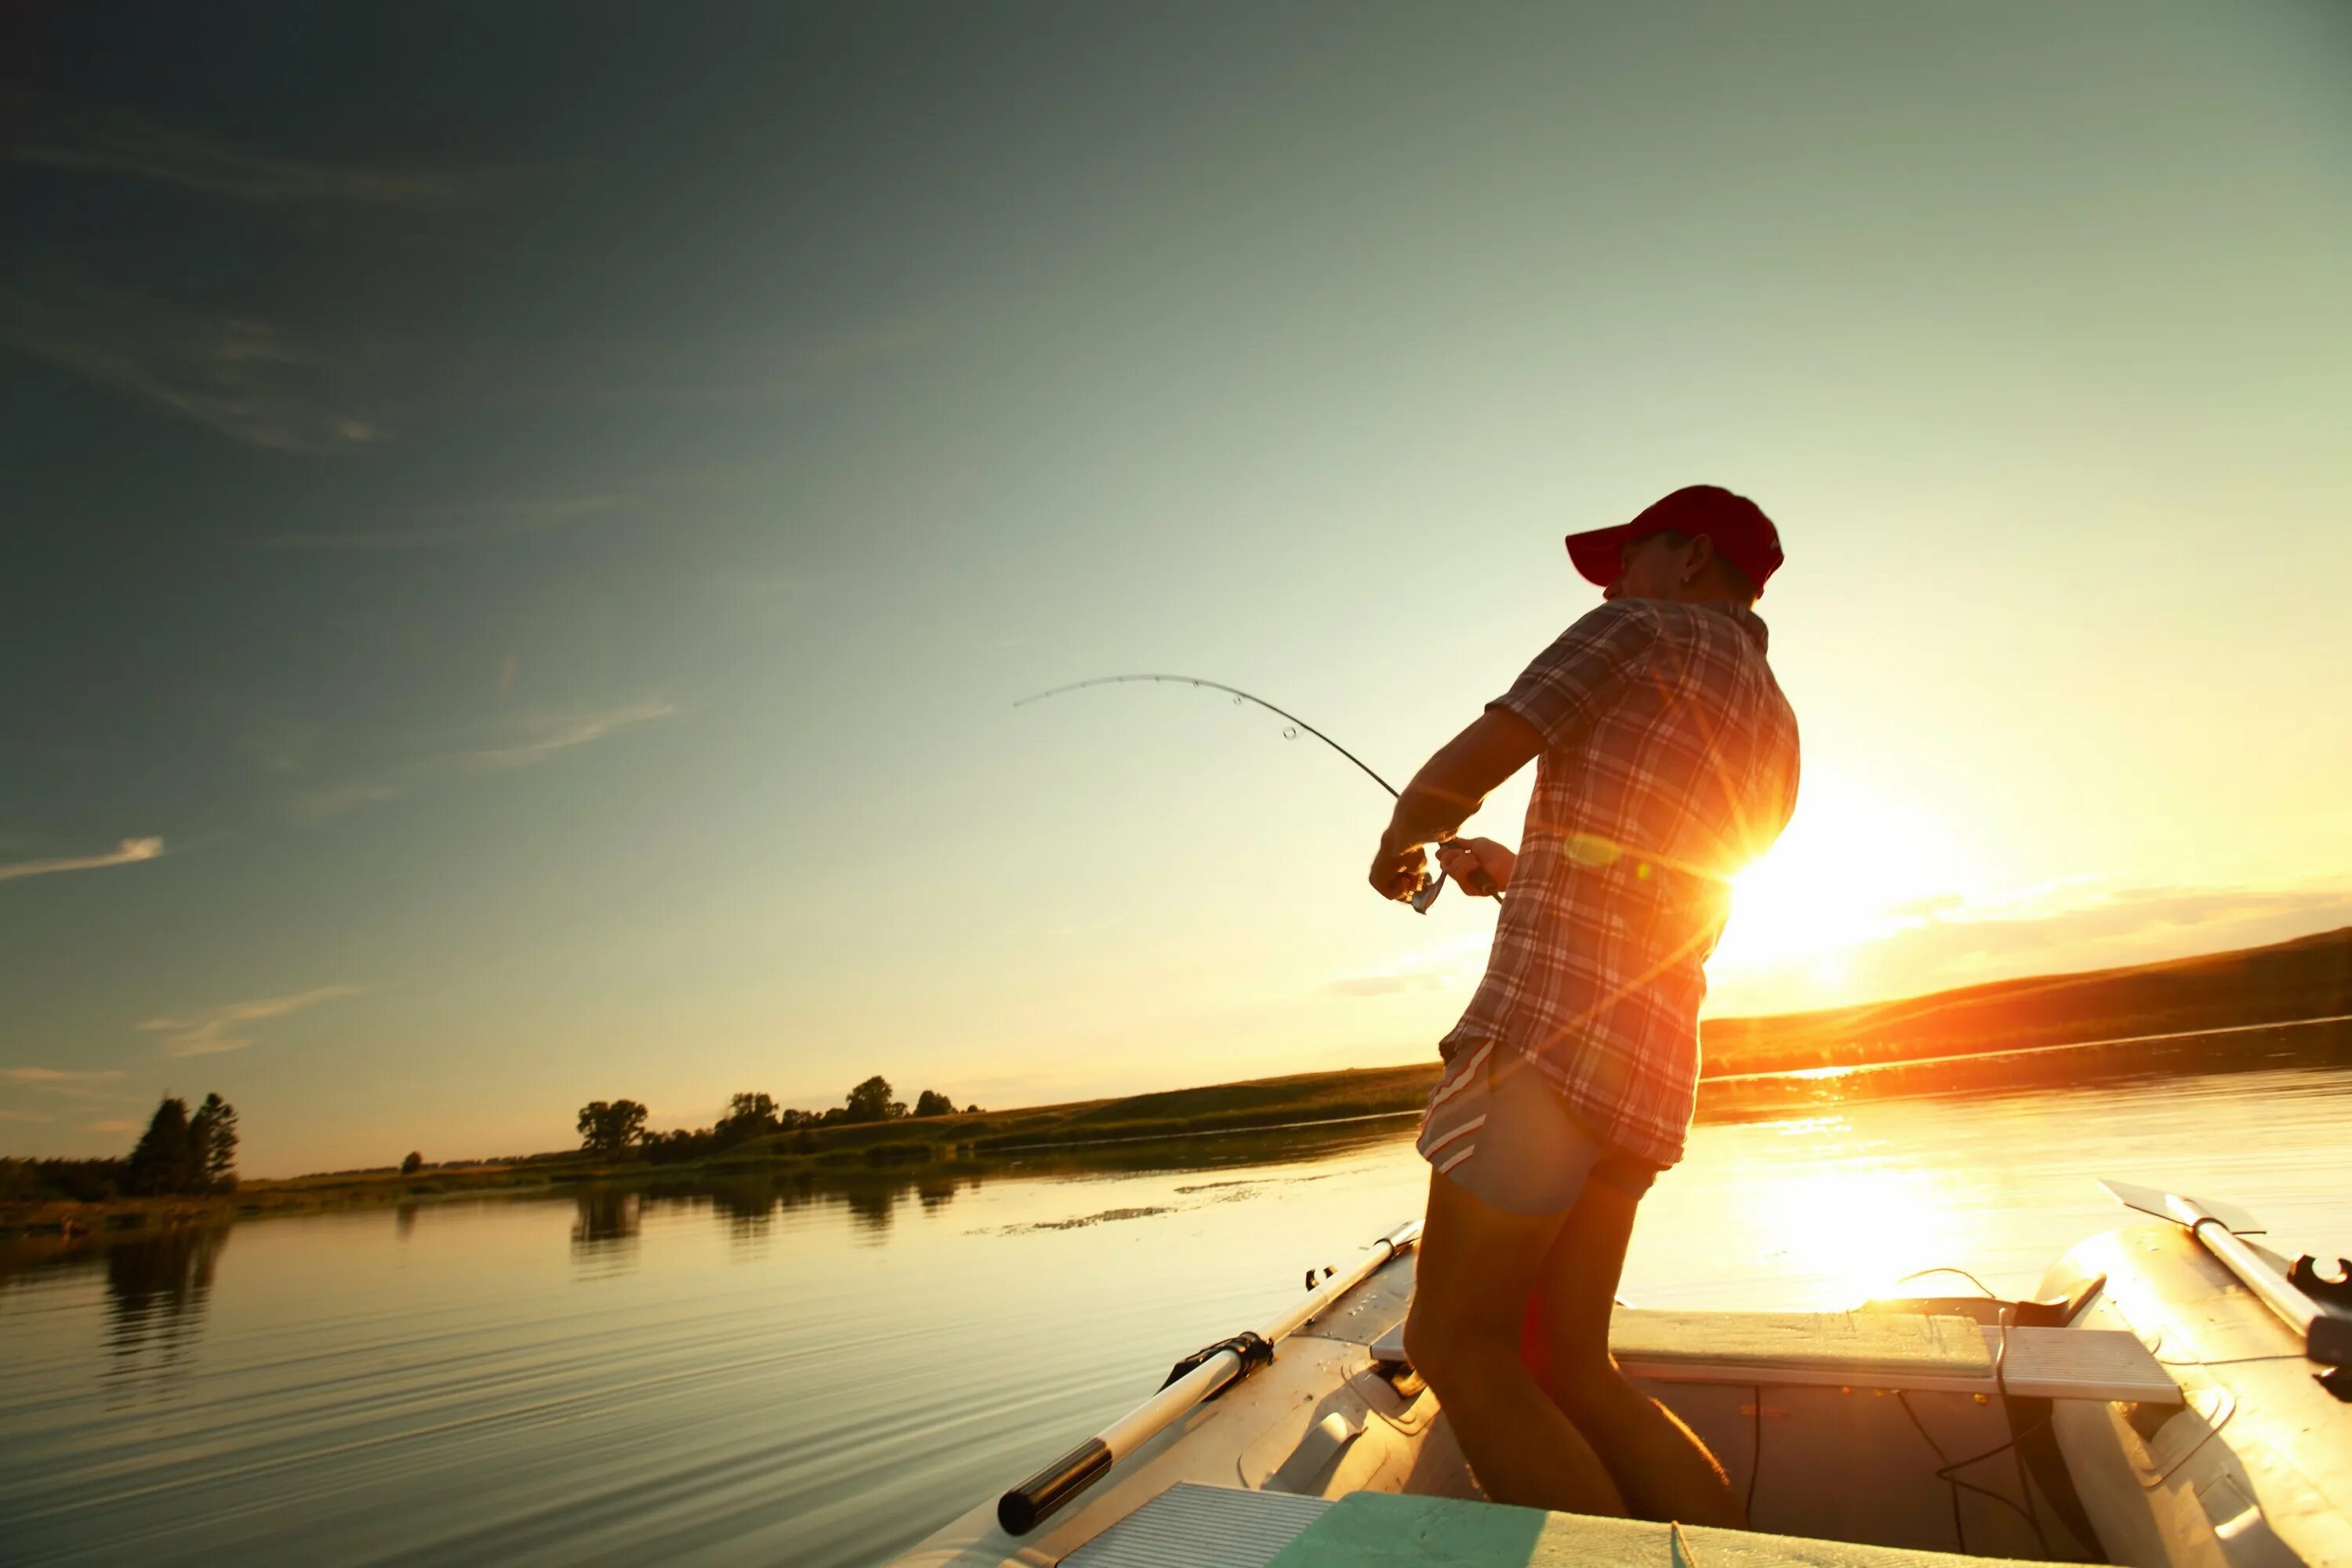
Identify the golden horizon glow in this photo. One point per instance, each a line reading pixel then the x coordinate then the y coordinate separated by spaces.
pixel 1854 865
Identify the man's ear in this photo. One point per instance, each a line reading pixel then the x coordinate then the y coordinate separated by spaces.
pixel 1698 556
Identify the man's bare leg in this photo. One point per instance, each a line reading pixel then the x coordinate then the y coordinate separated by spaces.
pixel 1659 1467
pixel 1479 1265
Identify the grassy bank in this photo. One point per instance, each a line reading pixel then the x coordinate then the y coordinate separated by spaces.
pixel 2310 977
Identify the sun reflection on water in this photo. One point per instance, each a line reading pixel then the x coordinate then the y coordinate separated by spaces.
pixel 1851 1227
pixel 1859 1232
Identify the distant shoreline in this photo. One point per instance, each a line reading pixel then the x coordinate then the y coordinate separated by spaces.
pixel 909 1146
pixel 2221 1012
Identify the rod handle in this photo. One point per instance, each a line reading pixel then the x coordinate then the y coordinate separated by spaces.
pixel 1019 1510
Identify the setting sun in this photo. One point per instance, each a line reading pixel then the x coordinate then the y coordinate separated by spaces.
pixel 1855 865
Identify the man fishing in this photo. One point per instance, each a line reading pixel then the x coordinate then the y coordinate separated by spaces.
pixel 1665 760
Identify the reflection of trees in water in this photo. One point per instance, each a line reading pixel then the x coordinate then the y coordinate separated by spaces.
pixel 749 1207
pixel 403 1220
pixel 744 1200
pixel 750 1203
pixel 605 1229
pixel 872 1203
pixel 157 1286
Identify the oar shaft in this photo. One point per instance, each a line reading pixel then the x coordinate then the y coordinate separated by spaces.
pixel 1020 1509
pixel 1310 1306
pixel 2325 1337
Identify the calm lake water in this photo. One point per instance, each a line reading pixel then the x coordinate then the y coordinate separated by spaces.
pixel 824 1374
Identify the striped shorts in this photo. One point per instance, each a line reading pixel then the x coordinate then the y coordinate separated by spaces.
pixel 1497 1130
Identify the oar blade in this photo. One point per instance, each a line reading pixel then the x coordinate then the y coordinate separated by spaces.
pixel 2156 1201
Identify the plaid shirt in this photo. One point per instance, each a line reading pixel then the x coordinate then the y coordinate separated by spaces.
pixel 1669 762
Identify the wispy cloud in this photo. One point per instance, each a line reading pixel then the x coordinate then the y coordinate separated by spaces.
pixel 519 741
pixel 112 1124
pixel 338 386
pixel 2130 917
pixel 22 1116
pixel 243 377
pixel 74 1085
pixel 1452 961
pixel 119 143
pixel 546 734
pixel 222 1028
pixel 461 527
pixel 129 852
pixel 1938 943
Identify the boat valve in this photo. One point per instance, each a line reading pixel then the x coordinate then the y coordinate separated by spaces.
pixel 1312 1281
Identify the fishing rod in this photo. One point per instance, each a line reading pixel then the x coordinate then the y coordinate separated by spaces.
pixel 1482 884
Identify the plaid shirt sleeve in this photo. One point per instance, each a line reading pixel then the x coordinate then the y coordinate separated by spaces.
pixel 1582 672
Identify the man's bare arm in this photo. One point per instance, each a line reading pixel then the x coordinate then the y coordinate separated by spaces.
pixel 1448 788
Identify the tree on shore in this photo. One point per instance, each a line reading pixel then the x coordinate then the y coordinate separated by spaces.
pixel 749 1115
pixel 159 1164
pixel 615 1126
pixel 871 1101
pixel 181 1154
pixel 212 1143
pixel 609 1127
pixel 413 1164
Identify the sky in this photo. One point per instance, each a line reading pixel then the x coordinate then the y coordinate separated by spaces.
pixel 523 541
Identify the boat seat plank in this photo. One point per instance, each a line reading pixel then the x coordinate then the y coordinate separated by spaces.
pixel 1853 1344
pixel 1840 1346
pixel 1876 1350
pixel 1383 1530
pixel 1190 1524
pixel 2083 1364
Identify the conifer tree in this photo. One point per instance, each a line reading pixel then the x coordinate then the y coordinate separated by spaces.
pixel 212 1146
pixel 160 1162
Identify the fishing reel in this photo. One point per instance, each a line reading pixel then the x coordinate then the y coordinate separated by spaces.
pixel 1480 883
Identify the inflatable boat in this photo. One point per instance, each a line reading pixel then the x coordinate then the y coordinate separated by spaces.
pixel 2175 1395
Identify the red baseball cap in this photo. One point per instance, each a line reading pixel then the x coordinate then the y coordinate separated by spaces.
pixel 1743 535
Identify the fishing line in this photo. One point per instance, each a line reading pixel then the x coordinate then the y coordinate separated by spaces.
pixel 1420 901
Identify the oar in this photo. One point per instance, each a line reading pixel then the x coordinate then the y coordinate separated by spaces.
pixel 2327 1337
pixel 1201 1375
